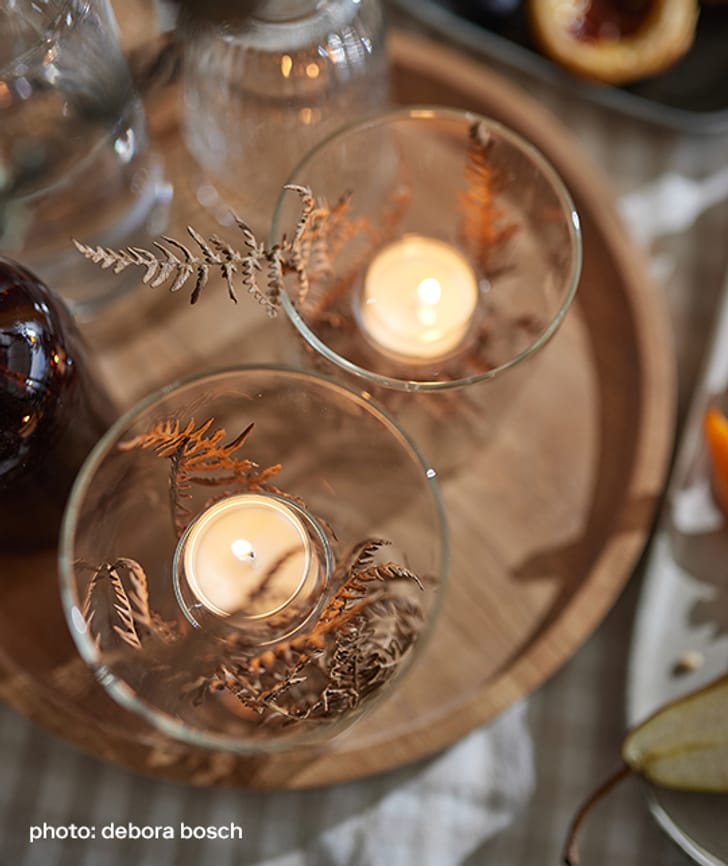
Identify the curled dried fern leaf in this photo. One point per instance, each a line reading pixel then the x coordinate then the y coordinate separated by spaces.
pixel 133 577
pixel 108 610
pixel 116 607
pixel 117 602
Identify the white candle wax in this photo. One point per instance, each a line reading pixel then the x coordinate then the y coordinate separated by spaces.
pixel 419 298
pixel 234 545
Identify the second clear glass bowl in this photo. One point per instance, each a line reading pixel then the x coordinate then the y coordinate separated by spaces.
pixel 252 588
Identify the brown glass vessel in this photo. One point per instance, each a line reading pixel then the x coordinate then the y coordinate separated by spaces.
pixel 52 410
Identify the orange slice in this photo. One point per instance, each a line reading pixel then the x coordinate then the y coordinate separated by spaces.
pixel 623 47
pixel 715 427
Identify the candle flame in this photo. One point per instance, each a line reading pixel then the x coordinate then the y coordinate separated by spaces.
pixel 429 292
pixel 242 549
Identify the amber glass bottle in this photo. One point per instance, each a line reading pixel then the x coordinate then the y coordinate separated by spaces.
pixel 51 409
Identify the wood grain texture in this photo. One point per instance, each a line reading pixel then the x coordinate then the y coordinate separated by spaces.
pixel 547 521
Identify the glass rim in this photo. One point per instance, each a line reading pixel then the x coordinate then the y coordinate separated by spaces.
pixel 428 112
pixel 71 603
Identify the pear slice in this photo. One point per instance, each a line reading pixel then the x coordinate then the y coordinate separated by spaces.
pixel 684 744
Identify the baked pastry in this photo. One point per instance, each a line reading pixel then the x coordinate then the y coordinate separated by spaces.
pixel 615 41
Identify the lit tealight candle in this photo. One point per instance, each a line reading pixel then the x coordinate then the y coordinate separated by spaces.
pixel 419 298
pixel 236 544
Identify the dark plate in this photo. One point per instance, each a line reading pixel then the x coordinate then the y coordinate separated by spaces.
pixel 691 96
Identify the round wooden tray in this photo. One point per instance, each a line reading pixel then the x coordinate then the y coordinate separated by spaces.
pixel 547 522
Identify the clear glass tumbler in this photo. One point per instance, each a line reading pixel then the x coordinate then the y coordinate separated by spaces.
pixel 263 85
pixel 75 157
pixel 251 558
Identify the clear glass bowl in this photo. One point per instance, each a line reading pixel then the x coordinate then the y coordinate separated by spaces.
pixel 283 629
pixel 461 195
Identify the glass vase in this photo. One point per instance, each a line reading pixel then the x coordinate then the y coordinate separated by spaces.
pixel 264 84
pixel 75 156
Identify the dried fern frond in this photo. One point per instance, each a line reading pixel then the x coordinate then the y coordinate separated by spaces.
pixel 485 226
pixel 308 205
pixel 356 645
pixel 132 576
pixel 176 264
pixel 320 234
pixel 327 233
pixel 108 610
pixel 199 451
pixel 117 603
pixel 348 603
pixel 388 571
pixel 352 655
pixel 199 457
pixel 361 555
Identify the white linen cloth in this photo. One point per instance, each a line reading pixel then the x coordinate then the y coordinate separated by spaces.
pixel 473 790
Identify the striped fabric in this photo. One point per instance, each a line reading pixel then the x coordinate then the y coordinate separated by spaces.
pixel 503 795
